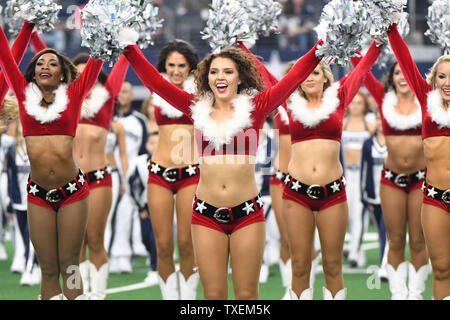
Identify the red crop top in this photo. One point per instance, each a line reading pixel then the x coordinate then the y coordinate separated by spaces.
pixel 62 116
pixel 98 108
pixel 239 134
pixel 326 122
pixel 17 50
pixel 435 120
pixel 165 114
pixel 393 123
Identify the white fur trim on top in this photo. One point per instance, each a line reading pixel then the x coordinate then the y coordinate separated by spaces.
pixel 283 115
pixel 94 102
pixel 438 114
pixel 167 109
pixel 33 99
pixel 220 133
pixel 311 117
pixel 397 120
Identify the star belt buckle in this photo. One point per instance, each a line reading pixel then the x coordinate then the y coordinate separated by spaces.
pixel 446 196
pixel 401 180
pixel 315 191
pixel 53 196
pixel 222 215
pixel 168 173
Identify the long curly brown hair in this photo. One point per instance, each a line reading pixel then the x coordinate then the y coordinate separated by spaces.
pixel 251 78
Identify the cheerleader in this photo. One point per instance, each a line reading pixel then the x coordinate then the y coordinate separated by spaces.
pixel 174 171
pixel 355 131
pixel 50 96
pixel 401 180
pixel 434 98
pixel 316 113
pixel 227 217
pixel 89 153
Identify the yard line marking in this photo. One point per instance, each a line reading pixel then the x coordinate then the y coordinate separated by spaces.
pixel 370 246
pixel 131 287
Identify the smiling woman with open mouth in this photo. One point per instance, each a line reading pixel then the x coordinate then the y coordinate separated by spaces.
pixel 228 110
pixel 50 97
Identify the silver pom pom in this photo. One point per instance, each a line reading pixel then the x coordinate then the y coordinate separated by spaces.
pixel 383 13
pixel 103 20
pixel 387 55
pixel 12 17
pixel 147 23
pixel 439 24
pixel 43 13
pixel 263 16
pixel 341 27
pixel 227 24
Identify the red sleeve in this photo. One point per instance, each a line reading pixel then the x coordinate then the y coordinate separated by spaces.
pixel 87 79
pixel 155 82
pixel 409 69
pixel 273 97
pixel 37 42
pixel 117 76
pixel 352 82
pixel 13 76
pixel 17 50
pixel 269 79
pixel 375 87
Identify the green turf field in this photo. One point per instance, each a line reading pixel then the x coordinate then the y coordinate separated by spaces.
pixel 361 283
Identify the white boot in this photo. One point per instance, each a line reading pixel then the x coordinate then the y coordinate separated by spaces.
pixel 286 277
pixel 84 273
pixel 169 288
pixel 307 294
pixel 397 281
pixel 446 298
pixel 188 288
pixel 417 281
pixel 99 281
pixel 340 295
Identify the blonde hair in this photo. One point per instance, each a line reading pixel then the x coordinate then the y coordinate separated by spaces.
pixel 10 110
pixel 326 72
pixel 431 76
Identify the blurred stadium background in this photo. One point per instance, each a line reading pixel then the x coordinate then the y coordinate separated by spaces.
pixel 184 19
